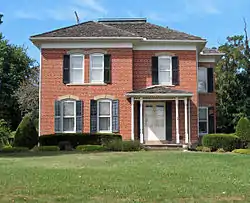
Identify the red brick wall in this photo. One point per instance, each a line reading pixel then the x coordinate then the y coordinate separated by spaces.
pixel 52 87
pixel 142 78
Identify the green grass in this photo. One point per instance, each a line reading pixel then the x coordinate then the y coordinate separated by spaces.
pixel 155 176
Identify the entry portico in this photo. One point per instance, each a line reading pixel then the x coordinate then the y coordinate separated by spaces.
pixel 161 111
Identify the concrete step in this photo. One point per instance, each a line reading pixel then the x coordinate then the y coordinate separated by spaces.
pixel 163 146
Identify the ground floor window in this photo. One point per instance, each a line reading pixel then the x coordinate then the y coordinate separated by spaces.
pixel 104 116
pixel 203 120
pixel 68 116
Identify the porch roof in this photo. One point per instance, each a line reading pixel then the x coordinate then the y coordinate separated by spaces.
pixel 161 91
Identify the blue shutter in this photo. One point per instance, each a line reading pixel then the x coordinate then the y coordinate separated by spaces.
pixel 57 117
pixel 66 69
pixel 175 70
pixel 211 119
pixel 93 116
pixel 79 115
pixel 210 80
pixel 155 77
pixel 115 116
pixel 107 68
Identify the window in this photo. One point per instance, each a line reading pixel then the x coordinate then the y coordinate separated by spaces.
pixel 104 121
pixel 76 68
pixel 202 79
pixel 165 70
pixel 97 68
pixel 203 120
pixel 68 116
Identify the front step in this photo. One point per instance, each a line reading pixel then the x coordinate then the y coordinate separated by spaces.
pixel 164 146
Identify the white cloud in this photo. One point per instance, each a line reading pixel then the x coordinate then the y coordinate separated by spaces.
pixel 84 8
pixel 201 7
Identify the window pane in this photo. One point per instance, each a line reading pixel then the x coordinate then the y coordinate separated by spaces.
pixel 76 76
pixel 97 61
pixel 68 109
pixel 202 80
pixel 68 124
pixel 97 75
pixel 202 127
pixel 164 77
pixel 202 86
pixel 104 124
pixel 104 108
pixel 202 114
pixel 164 63
pixel 76 62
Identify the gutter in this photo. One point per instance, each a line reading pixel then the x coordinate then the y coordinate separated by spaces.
pixel 81 38
pixel 170 40
pixel 160 94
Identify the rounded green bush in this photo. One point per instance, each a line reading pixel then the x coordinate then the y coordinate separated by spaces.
pixel 90 148
pixel 243 129
pixel 199 148
pixel 131 146
pixel 241 151
pixel 228 142
pixel 220 150
pixel 9 149
pixel 26 134
pixel 206 149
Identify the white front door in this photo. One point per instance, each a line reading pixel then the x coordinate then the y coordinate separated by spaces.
pixel 154 121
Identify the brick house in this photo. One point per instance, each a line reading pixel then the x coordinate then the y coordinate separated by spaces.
pixel 127 76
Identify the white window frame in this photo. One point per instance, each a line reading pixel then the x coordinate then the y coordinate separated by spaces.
pixel 71 68
pixel 170 77
pixel 98 116
pixel 62 116
pixel 91 68
pixel 206 108
pixel 205 70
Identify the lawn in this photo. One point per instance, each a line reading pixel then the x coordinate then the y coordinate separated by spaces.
pixel 155 176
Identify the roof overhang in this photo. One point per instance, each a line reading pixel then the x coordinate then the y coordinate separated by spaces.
pixel 210 57
pixel 162 95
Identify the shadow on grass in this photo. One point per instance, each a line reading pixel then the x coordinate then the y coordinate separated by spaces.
pixel 38 154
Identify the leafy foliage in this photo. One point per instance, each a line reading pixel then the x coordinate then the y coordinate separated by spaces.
pixel 119 145
pixel 228 142
pixel 243 129
pixel 90 148
pixel 10 149
pixel 26 134
pixel 46 148
pixel 241 151
pixel 4 133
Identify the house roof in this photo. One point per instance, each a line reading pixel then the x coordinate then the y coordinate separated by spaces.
pixel 138 28
pixel 159 90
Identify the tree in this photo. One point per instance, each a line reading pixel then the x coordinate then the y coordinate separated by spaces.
pixel 4 133
pixel 14 69
pixel 243 129
pixel 26 134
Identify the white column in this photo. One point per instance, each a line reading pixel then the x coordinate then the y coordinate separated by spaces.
pixel 141 121
pixel 132 119
pixel 186 121
pixel 177 120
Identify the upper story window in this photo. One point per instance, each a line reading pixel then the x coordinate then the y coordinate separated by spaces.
pixel 76 69
pixel 165 70
pixel 202 79
pixel 97 68
pixel 205 79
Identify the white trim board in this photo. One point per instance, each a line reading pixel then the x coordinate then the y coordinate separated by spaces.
pixel 79 45
pixel 155 46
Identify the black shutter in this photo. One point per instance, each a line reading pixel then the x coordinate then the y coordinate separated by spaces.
pixel 93 116
pixel 107 68
pixel 175 70
pixel 210 120
pixel 66 69
pixel 115 116
pixel 169 120
pixel 155 77
pixel 79 116
pixel 210 80
pixel 57 117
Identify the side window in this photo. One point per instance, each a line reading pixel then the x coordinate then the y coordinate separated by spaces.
pixel 202 79
pixel 203 120
pixel 165 70
pixel 97 68
pixel 68 116
pixel 76 68
pixel 104 116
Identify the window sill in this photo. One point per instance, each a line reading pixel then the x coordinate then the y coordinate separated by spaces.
pixel 87 84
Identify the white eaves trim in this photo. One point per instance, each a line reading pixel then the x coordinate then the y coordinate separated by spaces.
pixel 207 59
pixel 177 41
pixel 160 94
pixel 165 46
pixel 81 38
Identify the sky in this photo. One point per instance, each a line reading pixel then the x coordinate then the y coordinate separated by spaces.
pixel 213 20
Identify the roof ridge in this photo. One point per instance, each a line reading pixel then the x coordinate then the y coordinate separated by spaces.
pixel 62 28
pixel 125 31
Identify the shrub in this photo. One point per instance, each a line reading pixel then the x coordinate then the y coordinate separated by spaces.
pixel 76 139
pixel 228 142
pixel 243 129
pixel 9 149
pixel 65 145
pixel 4 133
pixel 220 150
pixel 131 146
pixel 115 145
pixel 26 134
pixel 199 148
pixel 47 148
pixel 206 149
pixel 242 151
pixel 90 148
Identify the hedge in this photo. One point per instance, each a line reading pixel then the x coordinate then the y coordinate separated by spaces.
pixel 119 145
pixel 228 142
pixel 76 139
pixel 242 151
pixel 90 148
pixel 47 148
pixel 9 149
